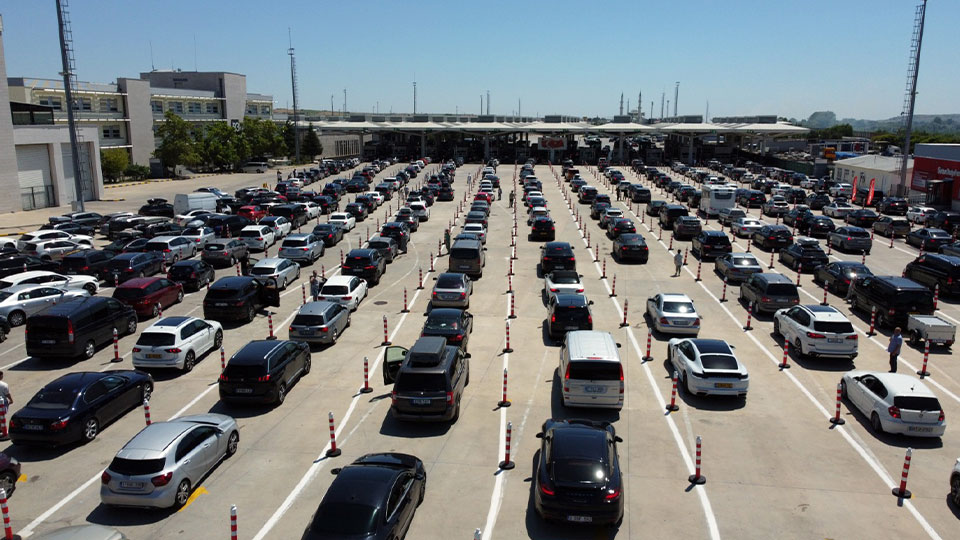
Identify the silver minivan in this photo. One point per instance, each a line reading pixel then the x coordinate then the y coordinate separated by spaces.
pixel 467 257
pixel 591 370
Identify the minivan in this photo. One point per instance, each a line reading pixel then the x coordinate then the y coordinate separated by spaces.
pixel 77 326
pixel 932 269
pixel 467 257
pixel 768 292
pixel 591 370
pixel 895 298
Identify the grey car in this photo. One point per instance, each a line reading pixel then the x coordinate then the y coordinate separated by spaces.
pixel 172 248
pixel 320 322
pixel 20 301
pixel 199 235
pixel 160 466
pixel 302 247
pixel 87 531
pixel 737 266
pixel 224 251
pixel 951 249
pixel 850 239
pixel 452 289
pixel 385 245
pixel 282 270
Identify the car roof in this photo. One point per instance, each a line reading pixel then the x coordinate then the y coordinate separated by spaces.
pixel 338 280
pixel 232 282
pixel 316 308
pixel 138 283
pixel 711 346
pixel 256 350
pixel 298 236
pixel 902 384
pixel 578 441
pixel 161 239
pixel 172 323
pixel 272 261
pixel 675 297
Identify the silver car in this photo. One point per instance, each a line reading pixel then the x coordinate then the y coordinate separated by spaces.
pixel 562 282
pixel 282 270
pixel 320 322
pixel 452 289
pixel 172 248
pixel 305 248
pixel 20 301
pixel 54 250
pixel 737 266
pixel 385 245
pixel 199 235
pixel 162 464
pixel 850 239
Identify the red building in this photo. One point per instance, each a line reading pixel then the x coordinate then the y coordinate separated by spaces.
pixel 936 172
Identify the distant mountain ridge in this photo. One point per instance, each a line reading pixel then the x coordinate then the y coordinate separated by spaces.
pixel 933 123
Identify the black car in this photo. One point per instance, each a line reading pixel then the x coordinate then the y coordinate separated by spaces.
pixel 929 239
pixel 399 231
pixel 946 220
pixel 862 218
pixel 75 327
pixel 772 237
pixel 543 228
pixel 796 196
pixel 752 199
pixel 261 371
pixel 127 245
pixel 191 274
pixel 814 225
pixel 568 312
pixel 804 253
pixel 238 298
pixel 357 185
pixel 653 208
pixel 92 219
pixel 76 406
pixel 14 264
pixel 330 233
pixel 446 193
pixel 686 227
pixel 893 206
pixel 618 226
pixel 934 270
pixel 597 208
pixel 639 194
pixel 816 201
pixel 156 207
pixel 70 227
pixel 630 247
pixel 131 265
pixel 476 217
pixel 840 274
pixel 893 297
pixel 228 226
pixel 711 244
pixel 685 192
pixel 356 210
pixel 368 264
pixel 796 215
pixel 578 478
pixel 454 325
pixel 294 213
pixel 557 256
pixel 409 219
pixel 428 380
pixel 89 262
pixel 669 213
pixel 373 498
pixel 329 204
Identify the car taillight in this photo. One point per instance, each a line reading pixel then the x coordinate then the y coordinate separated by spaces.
pixel 894 411
pixel 663 320
pixel 553 318
pixel 105 478
pixel 347 298
pixel 393 398
pixel 223 378
pixel 173 350
pixel 546 491
pixel 161 480
pixel 463 295
pixel 612 494
pixel 814 335
pixel 764 299
pixel 891 312
pixel 166 250
pixel 264 378
pixel 772 238
pixel 225 253
pixel 696 322
pixel 369 267
pixel 852 336
pixel 87 268
pixel 554 290
pixel 137 349
pixel 59 424
pixel 566 379
pixel 70 336
pixel 941 417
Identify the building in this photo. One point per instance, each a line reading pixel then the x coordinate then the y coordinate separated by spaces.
pixel 936 173
pixel 861 169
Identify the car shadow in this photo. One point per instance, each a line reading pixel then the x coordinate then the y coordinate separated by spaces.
pixel 117 517
pixel 545 336
pixel 410 430
pixel 240 411
pixel 952 506
pixel 892 439
pixel 706 403
pixel 815 363
pixel 32 454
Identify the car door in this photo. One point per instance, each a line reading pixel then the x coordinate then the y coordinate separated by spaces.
pixel 393 357
pixel 208 446
pixel 204 336
pixel 861 395
pixel 121 396
pixel 653 304
pixel 189 455
pixel 41 298
pixel 190 340
pixel 400 511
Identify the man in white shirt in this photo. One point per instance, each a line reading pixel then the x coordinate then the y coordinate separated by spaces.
pixel 5 391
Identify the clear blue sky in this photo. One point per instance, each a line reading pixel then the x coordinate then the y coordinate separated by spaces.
pixel 569 57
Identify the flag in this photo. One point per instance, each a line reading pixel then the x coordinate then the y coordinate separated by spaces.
pixel 873 182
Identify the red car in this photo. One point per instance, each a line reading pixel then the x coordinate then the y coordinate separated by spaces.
pixel 484 197
pixel 147 296
pixel 253 213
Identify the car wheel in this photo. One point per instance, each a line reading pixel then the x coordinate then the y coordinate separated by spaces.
pixel 333 337
pixel 90 429
pixel 955 489
pixel 843 389
pixel 251 313
pixel 218 339
pixel 776 328
pixel 146 391
pixel 233 260
pixel 281 393
pixel 306 367
pixel 16 318
pixel 89 349
pixel 456 413
pixel 798 346
pixel 189 361
pixel 155 311
pixel 875 423
pixel 8 482
pixel 90 288
pixel 180 296
pixel 183 494
pixel 233 442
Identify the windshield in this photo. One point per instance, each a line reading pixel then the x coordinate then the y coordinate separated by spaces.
pixel 250 234
pixel 833 327
pixel 464 253
pixel 263 270
pixel 917 403
pixel 53 399
pixel 155 339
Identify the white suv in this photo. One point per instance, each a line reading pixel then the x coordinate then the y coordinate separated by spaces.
pixel 816 330
pixel 176 342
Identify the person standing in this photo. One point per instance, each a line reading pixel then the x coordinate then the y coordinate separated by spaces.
pixel 678 262
pixel 896 341
pixel 314 286
pixel 499 193
pixel 5 393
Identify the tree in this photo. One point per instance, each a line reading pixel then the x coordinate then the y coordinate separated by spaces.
pixel 287 134
pixel 177 145
pixel 113 161
pixel 263 137
pixel 821 119
pixel 223 147
pixel 310 146
pixel 137 172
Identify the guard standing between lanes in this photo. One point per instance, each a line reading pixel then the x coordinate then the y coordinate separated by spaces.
pixel 513 195
pixel 315 286
pixel 499 193
pixel 896 341
pixel 5 392
pixel 446 239
pixel 279 176
pixel 619 193
pixel 678 262
pixel 244 264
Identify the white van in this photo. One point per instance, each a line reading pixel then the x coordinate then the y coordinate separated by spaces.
pixel 591 370
pixel 184 202
pixel 255 167
pixel 714 198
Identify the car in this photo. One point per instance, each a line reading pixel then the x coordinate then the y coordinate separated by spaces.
pixel 816 201
pixel 162 464
pixel 263 371
pixel 452 324
pixel 841 189
pixel 710 244
pixel 772 237
pixel 330 233
pixel 893 206
pixel 578 477
pixel 17 263
pixel 366 263
pixel 280 225
pixel 356 210
pixel 238 298
pixel 745 227
pixel 894 298
pixel 850 239
pixel 727 216
pixel 452 289
pixel 737 267
pixel 172 248
pixel 346 290
pixel 228 226
pixel 838 209
pixel 321 322
pixel 187 217
pixel 813 225
pixel 253 212
pixel 928 239
pixel 707 367
pixel 557 256
pixel 132 265
pixel 653 207
pixel 862 217
pixel 892 226
pixel 149 295
pixel 669 214
pixel 562 282
pixel 54 250
pixel 542 228
pixel 630 246
pixel 919 214
pixel 816 331
pixel 53 279
pixel 375 497
pixel 477 228
pixel 191 274
pixel 805 252
pixel 346 221
pixel 199 236
pixel 955 483
pixel 258 237
pixel 936 271
pixel 476 217
pixel 282 271
pixel 673 313
pixel 77 406
pixel 838 275
pixel 89 262
pixel 776 206
pixel 304 248
pixel 176 342
pixel 894 403
pixel 20 301
pixel 75 327
pixel 9 473
pixel 386 246
pixel 567 313
pixel 952 249
pixel 313 210
pixel 224 251
pixel 618 225
pixel 47 235
pixel 767 292
pixel 79 218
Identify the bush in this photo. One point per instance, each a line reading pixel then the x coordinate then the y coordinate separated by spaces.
pixel 137 172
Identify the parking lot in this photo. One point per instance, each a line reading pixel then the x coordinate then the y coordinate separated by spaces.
pixel 775 465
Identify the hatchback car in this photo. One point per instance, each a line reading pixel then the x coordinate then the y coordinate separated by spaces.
pixel 892 226
pixel 453 290
pixel 894 403
pixel 20 301
pixel 162 465
pixel 804 253
pixel 630 247
pixel 176 342
pixel 199 236
pixel 330 233
pixel 929 239
pixel 320 322
pixel 542 228
pixel 708 367
pixel 737 267
pixel 282 271
pixel 280 225
pixel 224 251
pixel 346 290
pixel 263 371
pixel 147 296
pixel 562 282
pixel 172 248
pixel 727 216
pixel 386 246
pixel 238 298
pixel 673 313
pixel 617 226
pixel 813 225
pixel 365 263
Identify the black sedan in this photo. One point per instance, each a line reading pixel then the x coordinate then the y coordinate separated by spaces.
pixel 373 498
pixel 330 233
pixel 772 236
pixel 653 208
pixel 805 253
pixel 862 218
pixel 75 406
pixel 816 225
pixel 577 477
pixel 618 226
pixel 192 274
pixel 455 325
pixel 557 256
pixel 839 275
pixel 156 207
pixel 929 239
pixel 127 245
pixel 630 247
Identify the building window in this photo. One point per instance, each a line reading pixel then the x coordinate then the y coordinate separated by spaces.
pixel 156 106
pixel 51 101
pixel 175 106
pixel 82 104
pixel 265 110
pixel 212 108
pixel 111 132
pixel 251 109
pixel 193 107
pixel 108 104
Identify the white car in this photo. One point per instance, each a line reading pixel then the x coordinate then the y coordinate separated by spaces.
pixel 376 196
pixel 841 190
pixel 421 210
pixel 311 208
pixel 20 301
pixel 183 219
pixel 818 331
pixel 707 366
pixel 561 282
pixel 282 270
pixel 808 183
pixel 673 313
pixel 477 229
pixel 176 342
pixel 44 235
pixel 535 212
pixel 838 209
pixel 37 277
pixel 894 402
pixel 609 213
pixel 347 221
pixel 745 227
pixel 54 250
pixel 199 236
pixel 281 226
pixel 919 214
pixel 348 291
pixel 258 236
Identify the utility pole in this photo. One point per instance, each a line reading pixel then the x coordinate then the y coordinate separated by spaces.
pixel 344 101
pixel 913 69
pixel 639 107
pixel 414 97
pixel 293 87
pixel 67 61
pixel 481 104
pixel 621 103
pixel 676 97
pixel 488 102
pixel 663 95
pixel 331 104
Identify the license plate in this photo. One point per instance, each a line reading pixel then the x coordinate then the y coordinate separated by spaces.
pixel 937 340
pixel 593 389
pixel 421 401
pixel 244 390
pixel 834 340
pixel 580 519
pixel 47 341
pixel 680 323
pixel 921 429
pixel 723 385
pixel 572 327
pixel 33 427
pixel 220 304
pixel 131 485
pixel 305 331
pixel 464 267
pixel 154 356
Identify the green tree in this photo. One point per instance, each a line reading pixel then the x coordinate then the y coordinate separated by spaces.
pixel 263 137
pixel 137 172
pixel 287 135
pixel 177 145
pixel 223 147
pixel 310 147
pixel 113 161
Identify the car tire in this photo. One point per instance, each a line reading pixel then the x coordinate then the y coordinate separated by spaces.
pixel 16 318
pixel 189 361
pixel 843 389
pixel 798 346
pixel 334 336
pixel 179 296
pixel 91 427
pixel 456 413
pixel 183 494
pixel 89 349
pixel 876 424
pixel 251 313
pixel 8 482
pixel 281 393
pixel 233 442
pixel 90 288
pixel 776 328
pixel 955 489
pixel 233 260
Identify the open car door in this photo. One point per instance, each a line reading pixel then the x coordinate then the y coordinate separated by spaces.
pixel 271 294
pixel 392 358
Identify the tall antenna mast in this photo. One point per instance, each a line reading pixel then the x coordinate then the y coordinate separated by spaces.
pixel 70 88
pixel 639 107
pixel 488 102
pixel 621 103
pixel 676 96
pixel 414 93
pixel 152 67
pixel 663 96
pixel 293 85
pixel 913 69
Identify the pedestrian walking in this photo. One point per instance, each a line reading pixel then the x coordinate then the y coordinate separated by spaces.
pixel 499 193
pixel 896 341
pixel 678 262
pixel 315 286
pixel 279 176
pixel 619 194
pixel 5 391
pixel 513 196
pixel 446 239
pixel 849 295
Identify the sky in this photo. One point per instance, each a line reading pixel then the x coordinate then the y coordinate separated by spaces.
pixel 745 57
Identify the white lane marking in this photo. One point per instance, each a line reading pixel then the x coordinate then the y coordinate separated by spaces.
pixel 18 362
pixel 11 349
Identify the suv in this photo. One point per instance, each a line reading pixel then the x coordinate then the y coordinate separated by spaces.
pixel 669 213
pixel 772 237
pixel 176 342
pixel 817 331
pixel 556 256
pixel 428 380
pixel 568 312
pixel 894 298
pixel 851 239
pixel 768 292
pixel 262 369
pixel 90 262
pixel 467 257
pixel 804 253
pixel 172 248
pixel 366 263
pixel 225 251
pixel 131 265
pixel 933 270
pixel 893 206
pixel 77 326
pixel 238 298
pixel 542 228
pixel 385 245
pixel 860 197
pixel 686 227
pixel 710 244
pixel 399 231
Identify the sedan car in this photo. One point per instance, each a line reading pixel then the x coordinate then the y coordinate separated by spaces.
pixel 374 498
pixel 929 239
pixel 745 227
pixel 346 221
pixel 840 274
pixel 20 301
pixel 176 342
pixel 673 313
pixel 892 227
pixel 76 406
pixel 282 270
pixel 562 282
pixel 818 331
pixel 707 366
pixel 320 322
pixel 838 209
pixel 160 466
pixel 776 206
pixel 894 402
pixel 454 325
pixel 737 266
pixel 862 218
pixel 453 290
pixel 53 279
pixel 630 247
pixel 149 295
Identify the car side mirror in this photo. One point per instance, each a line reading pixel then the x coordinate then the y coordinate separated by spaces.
pixel 589 302
pixel 335 471
pixel 540 435
pixel 619 345
pixel 617 439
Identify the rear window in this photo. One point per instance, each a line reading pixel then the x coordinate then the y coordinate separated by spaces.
pixel 833 327
pixel 907 299
pixel 917 403
pixel 137 467
pixel 464 253
pixel 678 307
pixel 420 382
pixel 246 370
pixel 297 242
pixel 858 234
pixel 263 270
pixel 595 371
pixel 221 294
pixel 53 399
pixel 215 247
pixel 156 339
pixel 718 361
pixel 250 234
pixel 744 261
pixel 334 290
pixel 341 518
pixel 308 320
pixel 782 289
pixel 449 282
pixel 378 244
